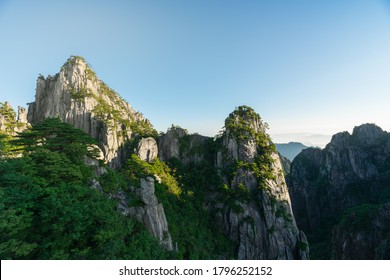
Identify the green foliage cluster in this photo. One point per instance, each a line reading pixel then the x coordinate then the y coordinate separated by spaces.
pixel 9 116
pixel 137 169
pixel 80 94
pixel 57 136
pixel 49 211
pixel 241 124
pixel 104 112
pixel 359 218
pixel 183 192
pixel 5 145
pixel 202 237
pixel 72 61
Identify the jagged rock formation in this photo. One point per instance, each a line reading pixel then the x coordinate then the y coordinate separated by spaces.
pixel 78 97
pixel 261 219
pixel 10 123
pixel 352 170
pixel 151 213
pixel 147 149
pixel 22 115
pixel 254 211
pixel 177 143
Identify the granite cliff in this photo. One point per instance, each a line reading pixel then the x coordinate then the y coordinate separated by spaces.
pixel 339 194
pixel 261 219
pixel 199 197
pixel 251 202
pixel 77 96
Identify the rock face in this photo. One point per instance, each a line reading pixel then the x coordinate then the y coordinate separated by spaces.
pixel 78 97
pixel 260 218
pixel 286 163
pixel 177 143
pixel 252 205
pixel 151 214
pixel 147 149
pixel 352 170
pixel 363 233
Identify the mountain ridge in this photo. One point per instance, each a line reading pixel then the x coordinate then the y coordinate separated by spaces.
pixel 346 181
pixel 163 181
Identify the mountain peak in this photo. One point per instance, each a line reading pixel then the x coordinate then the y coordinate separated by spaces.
pixel 368 133
pixel 77 96
pixel 75 60
pixel 244 123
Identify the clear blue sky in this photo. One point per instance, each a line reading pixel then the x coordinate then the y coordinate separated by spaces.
pixel 304 66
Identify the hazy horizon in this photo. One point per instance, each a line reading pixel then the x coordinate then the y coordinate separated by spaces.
pixel 308 68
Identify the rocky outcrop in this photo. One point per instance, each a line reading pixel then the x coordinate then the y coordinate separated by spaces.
pixel 305 170
pixel 22 115
pixel 286 163
pixel 78 97
pixel 147 149
pixel 151 213
pixel 10 122
pixel 253 206
pixel 188 148
pixel 352 170
pixel 363 233
pixel 259 218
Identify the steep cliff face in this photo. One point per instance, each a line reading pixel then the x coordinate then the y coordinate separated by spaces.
pixel 259 218
pixel 78 97
pixel 151 213
pixel 363 233
pixel 187 148
pixel 352 170
pixel 250 203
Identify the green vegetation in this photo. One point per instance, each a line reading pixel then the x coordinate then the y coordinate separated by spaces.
pixel 57 136
pixel 115 117
pixel 243 124
pixel 359 218
pixel 137 169
pixel 80 94
pixel 9 116
pixel 5 145
pixel 72 61
pixel 182 191
pixel 49 211
pixel 303 246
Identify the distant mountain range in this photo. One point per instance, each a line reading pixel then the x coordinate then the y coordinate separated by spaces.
pixel 290 150
pixel 306 138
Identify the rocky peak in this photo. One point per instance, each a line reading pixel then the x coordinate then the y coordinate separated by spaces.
pixel 243 127
pixel 77 96
pixel 352 170
pixel 178 143
pixel 261 211
pixel 22 115
pixel 340 138
pixel 368 134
